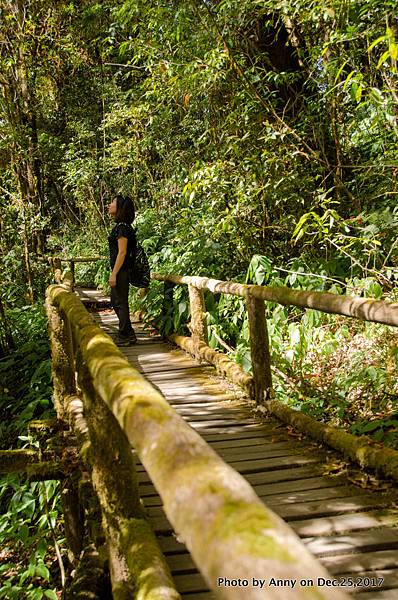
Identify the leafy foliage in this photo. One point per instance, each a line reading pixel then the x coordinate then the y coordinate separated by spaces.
pixel 259 142
pixel 30 512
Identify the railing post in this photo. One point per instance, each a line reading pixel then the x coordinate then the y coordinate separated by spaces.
pixel 259 348
pixel 167 306
pixel 198 317
pixel 56 268
pixel 72 269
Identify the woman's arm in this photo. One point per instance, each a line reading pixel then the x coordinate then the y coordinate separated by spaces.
pixel 121 255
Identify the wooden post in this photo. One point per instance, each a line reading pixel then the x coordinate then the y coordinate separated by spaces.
pixel 115 481
pixel 259 349
pixel 198 318
pixel 167 307
pixel 56 268
pixel 72 269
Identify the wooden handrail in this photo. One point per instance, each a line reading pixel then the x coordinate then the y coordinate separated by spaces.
pixel 366 309
pixel 230 533
pixel 259 386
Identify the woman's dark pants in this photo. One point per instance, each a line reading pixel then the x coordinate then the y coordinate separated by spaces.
pixel 120 303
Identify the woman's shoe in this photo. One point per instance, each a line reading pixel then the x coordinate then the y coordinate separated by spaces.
pixel 132 338
pixel 122 341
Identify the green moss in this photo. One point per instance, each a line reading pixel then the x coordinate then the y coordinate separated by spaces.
pixel 248 522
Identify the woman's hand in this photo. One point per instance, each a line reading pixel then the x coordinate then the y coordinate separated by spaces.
pixel 112 280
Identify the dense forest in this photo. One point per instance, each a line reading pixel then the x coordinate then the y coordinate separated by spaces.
pixel 259 143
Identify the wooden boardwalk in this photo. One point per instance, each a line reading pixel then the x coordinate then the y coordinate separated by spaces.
pixel 352 530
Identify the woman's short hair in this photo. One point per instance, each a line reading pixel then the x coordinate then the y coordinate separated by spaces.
pixel 125 212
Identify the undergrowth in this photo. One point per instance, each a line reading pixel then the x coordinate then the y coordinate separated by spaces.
pixel 30 521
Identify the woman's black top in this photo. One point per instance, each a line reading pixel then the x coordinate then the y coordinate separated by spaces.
pixel 121 230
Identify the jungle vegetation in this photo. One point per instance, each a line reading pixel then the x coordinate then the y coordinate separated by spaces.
pixel 259 142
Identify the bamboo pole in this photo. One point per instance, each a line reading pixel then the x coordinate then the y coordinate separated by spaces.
pixel 223 364
pixel 360 449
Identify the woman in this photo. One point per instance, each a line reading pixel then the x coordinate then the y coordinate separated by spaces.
pixel 122 245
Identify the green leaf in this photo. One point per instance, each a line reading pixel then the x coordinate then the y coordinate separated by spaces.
pixel 340 71
pixel 42 571
pixel 370 426
pixel 384 57
pixel 50 594
pixel 382 38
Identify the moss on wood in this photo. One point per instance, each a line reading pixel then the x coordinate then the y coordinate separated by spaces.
pixel 360 449
pixel 223 364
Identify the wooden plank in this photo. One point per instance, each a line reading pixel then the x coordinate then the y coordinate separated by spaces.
pixel 311 483
pixel 181 563
pixel 361 541
pixel 277 476
pixel 265 464
pixel 280 475
pixel 359 563
pixel 251 442
pixel 343 523
pixel 227 428
pixel 258 466
pixel 327 493
pixel 378 595
pixel 170 545
pixel 193 582
pixel 285 500
pixel 211 411
pixel 371 581
pixel 199 397
pixel 262 452
pixel 239 434
pixel 275 488
pixel 198 596
pixel 205 417
pixel 326 508
pixel 223 424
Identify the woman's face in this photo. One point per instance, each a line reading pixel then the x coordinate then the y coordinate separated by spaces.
pixel 112 208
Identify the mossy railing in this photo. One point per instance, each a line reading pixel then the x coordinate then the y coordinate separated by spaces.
pixel 360 449
pixel 259 385
pixel 55 263
pixel 229 532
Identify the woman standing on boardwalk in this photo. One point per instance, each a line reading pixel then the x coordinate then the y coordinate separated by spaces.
pixel 122 245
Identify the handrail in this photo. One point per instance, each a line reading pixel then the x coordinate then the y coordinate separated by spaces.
pixel 366 309
pixel 258 386
pixel 230 533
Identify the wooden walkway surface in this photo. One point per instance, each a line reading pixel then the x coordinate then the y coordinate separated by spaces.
pixel 352 530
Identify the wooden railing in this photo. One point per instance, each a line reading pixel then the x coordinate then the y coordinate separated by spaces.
pixel 56 263
pixel 259 385
pixel 229 532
